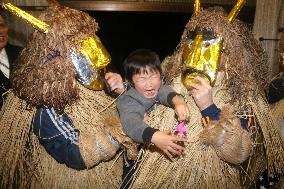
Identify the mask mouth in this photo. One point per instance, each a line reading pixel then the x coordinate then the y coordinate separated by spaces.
pixel 89 62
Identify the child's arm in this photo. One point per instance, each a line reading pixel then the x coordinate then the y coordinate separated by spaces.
pixel 168 143
pixel 131 113
pixel 181 108
pixel 168 97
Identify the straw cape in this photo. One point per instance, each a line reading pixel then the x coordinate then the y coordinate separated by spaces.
pixel 238 92
pixel 45 76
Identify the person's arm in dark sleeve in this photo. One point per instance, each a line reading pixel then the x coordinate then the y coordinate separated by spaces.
pixel 212 112
pixel 59 137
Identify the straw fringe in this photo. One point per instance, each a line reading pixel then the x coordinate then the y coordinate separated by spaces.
pixel 277 110
pixel 85 116
pixel 92 120
pixel 95 148
pixel 51 174
pixel 113 126
pixel 15 122
pixel 25 163
pixel 231 142
pixel 272 138
pixel 199 168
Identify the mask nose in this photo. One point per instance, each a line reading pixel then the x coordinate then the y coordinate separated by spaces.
pixel 192 56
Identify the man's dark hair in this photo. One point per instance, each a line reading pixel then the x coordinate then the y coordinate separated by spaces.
pixel 139 60
pixel 3 15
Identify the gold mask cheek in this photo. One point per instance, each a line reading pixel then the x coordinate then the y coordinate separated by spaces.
pixel 89 61
pixel 210 59
pixel 94 49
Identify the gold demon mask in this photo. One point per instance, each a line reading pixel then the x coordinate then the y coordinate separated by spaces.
pixel 89 59
pixel 202 52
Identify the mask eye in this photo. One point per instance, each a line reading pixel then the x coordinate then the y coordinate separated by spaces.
pixel 206 44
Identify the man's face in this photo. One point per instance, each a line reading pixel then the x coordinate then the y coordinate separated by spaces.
pixel 3 33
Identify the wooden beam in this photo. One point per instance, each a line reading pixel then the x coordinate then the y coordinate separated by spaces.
pixel 129 6
pixel 139 5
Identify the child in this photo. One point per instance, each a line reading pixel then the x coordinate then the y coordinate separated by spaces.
pixel 143 71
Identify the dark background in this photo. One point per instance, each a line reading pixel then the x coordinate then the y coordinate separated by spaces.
pixel 123 32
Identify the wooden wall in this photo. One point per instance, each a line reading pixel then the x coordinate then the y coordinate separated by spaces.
pixel 269 17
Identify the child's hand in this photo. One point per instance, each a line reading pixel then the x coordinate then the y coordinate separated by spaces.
pixel 181 108
pixel 168 143
pixel 202 93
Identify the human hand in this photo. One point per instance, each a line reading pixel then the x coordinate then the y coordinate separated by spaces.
pixel 168 143
pixel 181 108
pixel 201 93
pixel 115 82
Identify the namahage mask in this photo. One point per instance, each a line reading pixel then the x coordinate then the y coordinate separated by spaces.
pixel 89 61
pixel 201 57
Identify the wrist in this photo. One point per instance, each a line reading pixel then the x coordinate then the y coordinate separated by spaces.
pixel 154 137
pixel 178 99
pixel 211 111
pixel 203 107
pixel 148 134
pixel 175 99
pixel 123 87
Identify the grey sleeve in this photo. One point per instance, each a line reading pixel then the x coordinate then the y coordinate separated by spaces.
pixel 131 115
pixel 165 95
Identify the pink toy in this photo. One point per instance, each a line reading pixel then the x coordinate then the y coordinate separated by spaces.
pixel 181 132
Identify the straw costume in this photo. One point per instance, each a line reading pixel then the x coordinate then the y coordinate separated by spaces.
pixel 50 75
pixel 220 153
